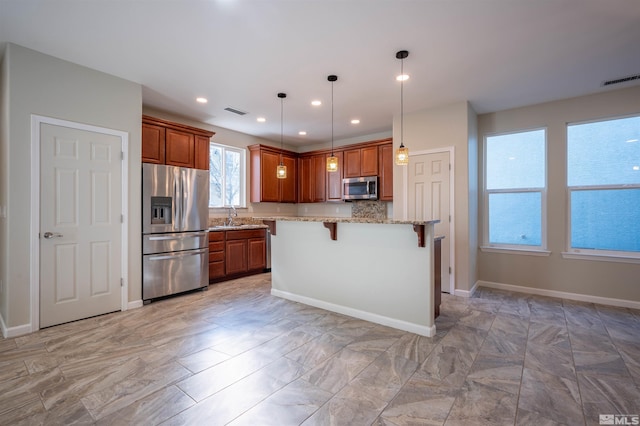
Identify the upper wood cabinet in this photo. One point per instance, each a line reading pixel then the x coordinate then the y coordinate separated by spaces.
pixel 385 163
pixel 166 142
pixel 265 186
pixel 153 138
pixel 312 179
pixel 361 162
pixel 334 179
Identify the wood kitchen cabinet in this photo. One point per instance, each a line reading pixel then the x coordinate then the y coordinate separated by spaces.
pixel 166 142
pixel 361 162
pixel 312 178
pixel 216 255
pixel 264 185
pixel 334 179
pixel 236 253
pixel 153 138
pixel 385 172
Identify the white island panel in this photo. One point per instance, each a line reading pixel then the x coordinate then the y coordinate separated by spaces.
pixel 373 271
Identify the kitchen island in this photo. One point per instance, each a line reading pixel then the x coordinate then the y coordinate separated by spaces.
pixel 376 270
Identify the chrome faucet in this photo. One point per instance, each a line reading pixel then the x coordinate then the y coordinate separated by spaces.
pixel 232 213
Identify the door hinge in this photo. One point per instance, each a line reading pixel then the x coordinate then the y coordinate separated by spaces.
pixel 121 282
pixel 122 155
pixel 449 218
pixel 449 270
pixel 449 166
pixel 122 218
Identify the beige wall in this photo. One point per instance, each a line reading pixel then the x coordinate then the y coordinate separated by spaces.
pixel 442 127
pixel 594 278
pixel 44 85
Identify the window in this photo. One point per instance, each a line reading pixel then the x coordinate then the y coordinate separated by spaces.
pixel 226 176
pixel 515 190
pixel 603 178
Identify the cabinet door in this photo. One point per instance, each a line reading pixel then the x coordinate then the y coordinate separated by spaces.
pixel 385 161
pixel 306 177
pixel 334 180
pixel 153 144
pixel 257 253
pixel 179 148
pixel 269 183
pixel 352 163
pixel 288 186
pixel 319 176
pixel 236 257
pixel 202 152
pixel 369 161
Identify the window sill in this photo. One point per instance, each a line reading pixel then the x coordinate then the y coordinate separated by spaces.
pixel 601 257
pixel 509 250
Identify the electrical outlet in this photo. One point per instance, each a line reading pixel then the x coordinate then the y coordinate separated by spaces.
pixel 278 209
pixel 1 286
pixel 337 209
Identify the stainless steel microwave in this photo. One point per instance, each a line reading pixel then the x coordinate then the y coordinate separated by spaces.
pixel 361 188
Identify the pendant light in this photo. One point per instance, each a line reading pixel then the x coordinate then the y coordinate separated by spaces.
pixel 402 153
pixel 281 170
pixel 332 162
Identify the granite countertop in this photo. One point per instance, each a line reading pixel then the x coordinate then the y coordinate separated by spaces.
pixel 347 220
pixel 238 227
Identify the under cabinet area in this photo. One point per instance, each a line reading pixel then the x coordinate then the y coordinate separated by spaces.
pixel 236 253
pixel 175 144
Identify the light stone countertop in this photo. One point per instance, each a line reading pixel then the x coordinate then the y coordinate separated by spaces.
pixel 239 227
pixel 347 220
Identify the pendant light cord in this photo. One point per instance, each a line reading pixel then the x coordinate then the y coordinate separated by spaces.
pixel 281 128
pixel 402 102
pixel 332 78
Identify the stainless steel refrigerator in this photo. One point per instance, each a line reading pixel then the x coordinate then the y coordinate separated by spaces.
pixel 175 216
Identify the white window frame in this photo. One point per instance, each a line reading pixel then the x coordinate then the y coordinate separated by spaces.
pixel 540 250
pixel 243 173
pixel 594 254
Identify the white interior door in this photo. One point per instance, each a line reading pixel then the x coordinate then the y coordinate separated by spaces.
pixel 80 224
pixel 428 199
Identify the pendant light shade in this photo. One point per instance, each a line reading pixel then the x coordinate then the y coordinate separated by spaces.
pixel 332 161
pixel 281 170
pixel 402 153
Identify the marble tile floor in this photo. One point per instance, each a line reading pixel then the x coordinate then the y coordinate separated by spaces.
pixel 237 355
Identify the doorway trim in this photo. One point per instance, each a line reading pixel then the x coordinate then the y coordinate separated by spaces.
pixel 452 198
pixel 34 275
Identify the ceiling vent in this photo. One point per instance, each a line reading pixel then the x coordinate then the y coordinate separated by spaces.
pixel 621 80
pixel 235 111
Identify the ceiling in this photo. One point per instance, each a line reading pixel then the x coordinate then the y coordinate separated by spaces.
pixel 497 54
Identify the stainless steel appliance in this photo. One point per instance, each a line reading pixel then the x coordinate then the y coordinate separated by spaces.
pixel 361 188
pixel 175 216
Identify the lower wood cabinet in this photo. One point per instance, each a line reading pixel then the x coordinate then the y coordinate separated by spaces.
pixel 236 253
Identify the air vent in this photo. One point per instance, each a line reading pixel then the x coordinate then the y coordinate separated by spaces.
pixel 235 111
pixel 622 80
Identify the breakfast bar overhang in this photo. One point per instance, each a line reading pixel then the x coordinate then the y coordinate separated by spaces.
pixel 376 270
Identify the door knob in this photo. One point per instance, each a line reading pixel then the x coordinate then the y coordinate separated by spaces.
pixel 50 235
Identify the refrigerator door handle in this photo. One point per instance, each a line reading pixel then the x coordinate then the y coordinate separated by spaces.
pixel 178 254
pixel 177 204
pixel 184 196
pixel 177 237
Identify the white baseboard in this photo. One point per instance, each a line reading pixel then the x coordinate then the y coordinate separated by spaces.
pixel 466 293
pixel 562 295
pixel 356 313
pixel 9 332
pixel 135 304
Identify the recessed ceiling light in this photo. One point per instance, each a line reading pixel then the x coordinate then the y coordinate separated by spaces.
pixel 636 168
pixel 403 77
pixel 202 100
pixel 261 119
pixel 355 121
pixel 632 140
pixel 316 103
pixel 302 133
